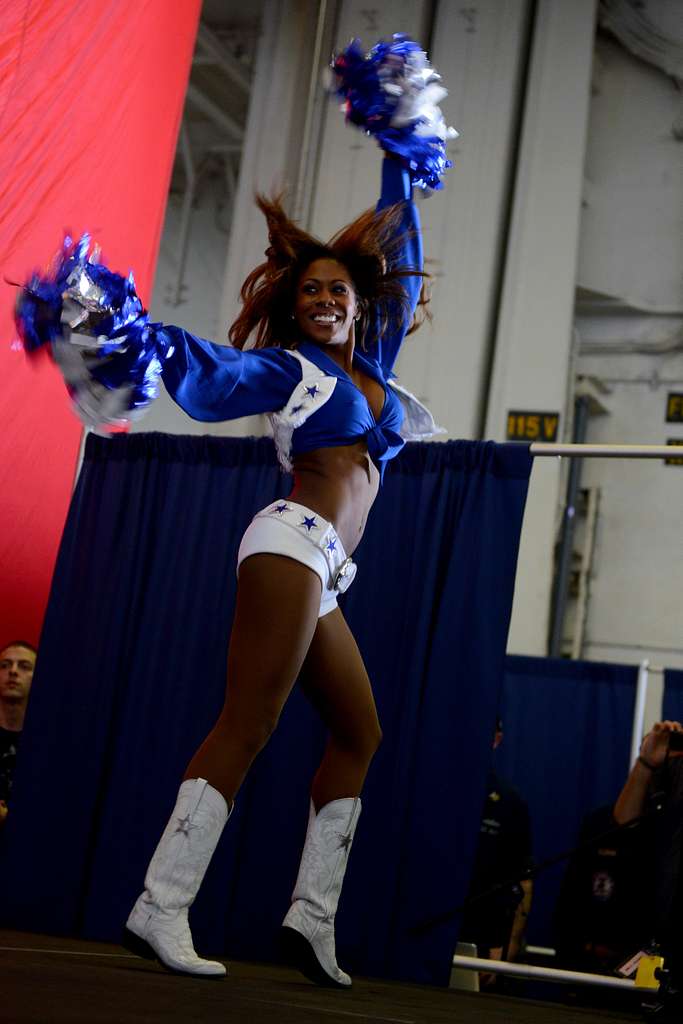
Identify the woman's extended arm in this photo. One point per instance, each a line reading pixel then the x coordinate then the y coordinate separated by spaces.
pixel 111 356
pixel 217 382
pixel 396 188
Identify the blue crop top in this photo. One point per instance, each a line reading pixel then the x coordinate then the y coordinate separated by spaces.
pixel 312 402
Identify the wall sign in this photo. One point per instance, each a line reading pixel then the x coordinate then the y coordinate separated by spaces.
pixel 674 408
pixel 675 460
pixel 532 426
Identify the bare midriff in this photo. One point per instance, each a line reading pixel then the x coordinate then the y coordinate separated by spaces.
pixel 340 484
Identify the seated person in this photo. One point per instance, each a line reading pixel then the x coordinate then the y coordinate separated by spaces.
pixel 17 662
pixel 495 922
pixel 599 917
pixel 656 781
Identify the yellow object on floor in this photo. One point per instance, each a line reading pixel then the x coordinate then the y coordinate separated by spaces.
pixel 646 975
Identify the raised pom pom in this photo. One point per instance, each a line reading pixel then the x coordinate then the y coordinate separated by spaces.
pixel 393 93
pixel 98 331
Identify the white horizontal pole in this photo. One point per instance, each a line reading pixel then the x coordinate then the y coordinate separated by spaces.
pixel 474 963
pixel 608 451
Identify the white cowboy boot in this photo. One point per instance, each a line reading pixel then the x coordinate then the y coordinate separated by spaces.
pixel 308 928
pixel 157 926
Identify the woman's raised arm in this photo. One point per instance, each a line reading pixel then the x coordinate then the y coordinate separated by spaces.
pixel 396 188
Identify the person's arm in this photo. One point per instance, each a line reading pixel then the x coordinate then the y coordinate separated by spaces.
pixel 520 920
pixel 653 753
pixel 111 356
pixel 396 188
pixel 522 857
pixel 217 382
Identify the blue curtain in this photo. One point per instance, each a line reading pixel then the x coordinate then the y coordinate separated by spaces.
pixel 566 746
pixel 131 675
pixel 672 701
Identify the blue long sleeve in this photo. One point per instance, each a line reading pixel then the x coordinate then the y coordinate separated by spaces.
pixel 396 188
pixel 217 382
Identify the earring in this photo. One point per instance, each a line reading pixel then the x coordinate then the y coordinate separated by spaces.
pixel 292 317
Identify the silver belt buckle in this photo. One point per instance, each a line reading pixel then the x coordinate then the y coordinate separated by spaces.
pixel 343 578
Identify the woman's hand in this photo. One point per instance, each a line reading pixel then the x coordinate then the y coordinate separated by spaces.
pixel 655 746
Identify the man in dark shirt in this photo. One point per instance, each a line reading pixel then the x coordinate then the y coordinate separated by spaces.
pixel 17 662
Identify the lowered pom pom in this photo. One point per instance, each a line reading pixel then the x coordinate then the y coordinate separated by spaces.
pixel 393 93
pixel 98 331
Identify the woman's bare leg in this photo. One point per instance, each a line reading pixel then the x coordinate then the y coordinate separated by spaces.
pixel 336 682
pixel 278 602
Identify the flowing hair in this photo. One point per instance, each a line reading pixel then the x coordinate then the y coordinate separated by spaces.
pixel 366 247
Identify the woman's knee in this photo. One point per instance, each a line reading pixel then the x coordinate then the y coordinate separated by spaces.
pixel 368 742
pixel 251 733
pixel 363 740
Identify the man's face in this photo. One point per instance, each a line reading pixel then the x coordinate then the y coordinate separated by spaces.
pixel 16 672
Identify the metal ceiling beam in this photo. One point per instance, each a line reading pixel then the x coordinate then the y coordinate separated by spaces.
pixel 211 110
pixel 221 56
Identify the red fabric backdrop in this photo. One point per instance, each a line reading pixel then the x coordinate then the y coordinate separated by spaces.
pixel 91 97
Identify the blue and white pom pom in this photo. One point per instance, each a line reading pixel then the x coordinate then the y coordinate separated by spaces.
pixel 393 93
pixel 98 332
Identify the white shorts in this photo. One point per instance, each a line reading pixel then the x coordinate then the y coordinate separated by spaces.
pixel 286 528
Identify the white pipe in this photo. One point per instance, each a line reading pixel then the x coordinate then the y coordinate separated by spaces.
pixel 610 451
pixel 639 709
pixel 313 90
pixel 474 963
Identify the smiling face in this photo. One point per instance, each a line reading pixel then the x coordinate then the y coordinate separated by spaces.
pixel 325 305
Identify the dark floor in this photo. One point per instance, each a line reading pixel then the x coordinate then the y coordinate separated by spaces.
pixel 52 980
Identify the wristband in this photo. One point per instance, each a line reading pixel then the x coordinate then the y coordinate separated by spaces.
pixel 652 767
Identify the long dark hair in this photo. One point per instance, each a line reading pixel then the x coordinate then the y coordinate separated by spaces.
pixel 366 248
